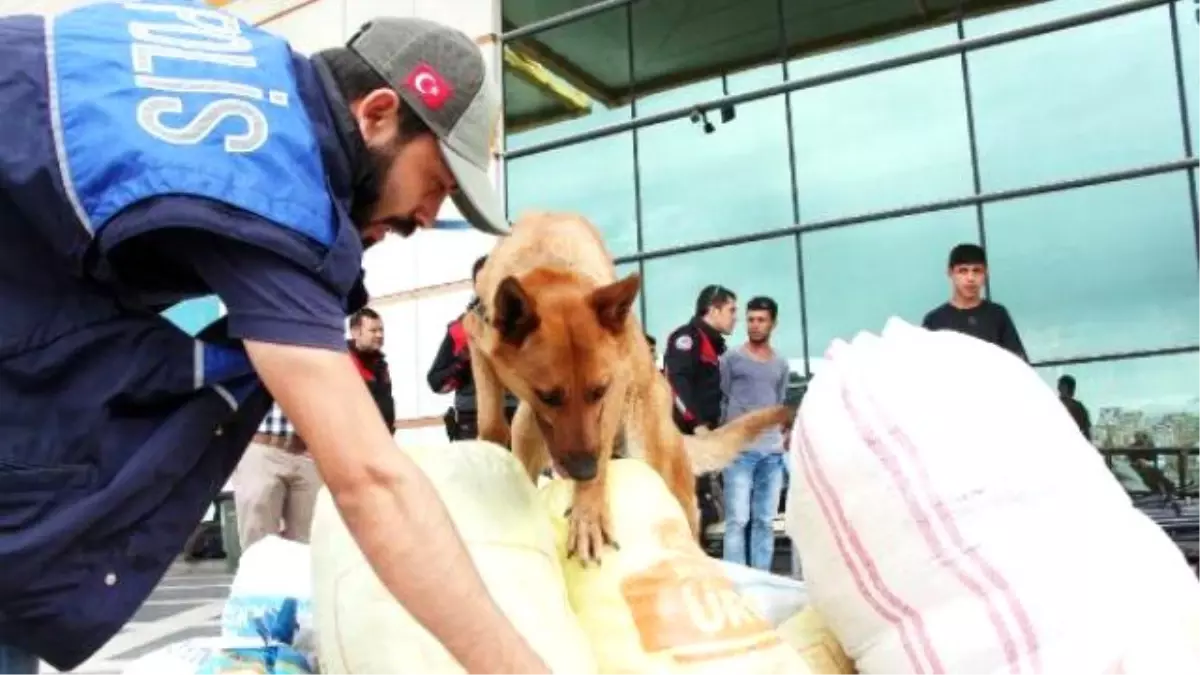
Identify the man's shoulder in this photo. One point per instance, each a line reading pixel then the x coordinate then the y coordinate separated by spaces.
pixel 225 224
pixel 995 308
pixel 782 362
pixel 940 310
pixel 684 329
pixel 682 339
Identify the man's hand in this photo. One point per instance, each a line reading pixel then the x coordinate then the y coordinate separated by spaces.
pixel 390 507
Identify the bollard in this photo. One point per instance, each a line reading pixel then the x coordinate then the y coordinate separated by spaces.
pixel 227 513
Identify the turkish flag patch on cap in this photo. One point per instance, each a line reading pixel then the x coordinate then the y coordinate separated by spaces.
pixel 429 86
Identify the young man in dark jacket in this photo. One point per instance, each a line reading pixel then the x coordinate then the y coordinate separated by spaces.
pixel 968 311
pixel 692 360
pixel 692 366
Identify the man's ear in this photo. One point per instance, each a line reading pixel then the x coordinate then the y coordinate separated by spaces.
pixel 513 312
pixel 376 114
pixel 612 303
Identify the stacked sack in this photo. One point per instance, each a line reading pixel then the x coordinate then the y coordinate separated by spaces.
pixel 951 518
pixel 362 629
pixel 658 605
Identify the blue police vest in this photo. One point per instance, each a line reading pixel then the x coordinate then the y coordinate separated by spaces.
pixel 117 429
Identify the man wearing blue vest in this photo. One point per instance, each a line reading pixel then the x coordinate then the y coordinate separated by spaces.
pixel 158 151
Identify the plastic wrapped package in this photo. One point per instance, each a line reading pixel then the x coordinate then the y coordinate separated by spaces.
pixel 775 598
pixel 270 573
pixel 220 656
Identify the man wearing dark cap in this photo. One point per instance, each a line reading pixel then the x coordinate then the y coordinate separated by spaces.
pixel 161 151
pixel 968 311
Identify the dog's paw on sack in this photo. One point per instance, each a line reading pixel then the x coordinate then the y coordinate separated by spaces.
pixel 658 604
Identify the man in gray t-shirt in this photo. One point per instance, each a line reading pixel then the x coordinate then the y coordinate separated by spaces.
pixel 753 377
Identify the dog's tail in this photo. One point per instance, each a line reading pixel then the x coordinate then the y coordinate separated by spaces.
pixel 714 450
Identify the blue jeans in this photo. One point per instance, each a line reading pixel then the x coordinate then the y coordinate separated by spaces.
pixel 15 661
pixel 752 486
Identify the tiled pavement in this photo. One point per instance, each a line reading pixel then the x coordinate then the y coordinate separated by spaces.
pixel 186 604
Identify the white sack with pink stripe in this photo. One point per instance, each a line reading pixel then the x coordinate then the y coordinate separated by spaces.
pixel 951 518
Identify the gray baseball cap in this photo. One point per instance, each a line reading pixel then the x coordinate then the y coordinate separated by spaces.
pixel 440 73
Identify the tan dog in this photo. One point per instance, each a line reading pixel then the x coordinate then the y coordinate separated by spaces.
pixel 554 326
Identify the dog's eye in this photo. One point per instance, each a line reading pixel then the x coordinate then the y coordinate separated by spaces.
pixel 596 393
pixel 552 398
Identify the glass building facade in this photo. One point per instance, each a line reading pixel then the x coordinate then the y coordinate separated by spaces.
pixel 860 144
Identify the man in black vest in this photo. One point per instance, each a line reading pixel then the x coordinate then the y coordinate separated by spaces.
pixel 451 372
pixel 366 348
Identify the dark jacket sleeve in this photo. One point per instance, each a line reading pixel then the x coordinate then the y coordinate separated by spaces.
pixel 452 361
pixel 386 400
pixel 680 366
pixel 1009 338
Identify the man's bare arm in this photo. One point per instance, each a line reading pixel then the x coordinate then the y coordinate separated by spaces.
pixel 391 508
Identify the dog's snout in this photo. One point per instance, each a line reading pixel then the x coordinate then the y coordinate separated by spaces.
pixel 580 465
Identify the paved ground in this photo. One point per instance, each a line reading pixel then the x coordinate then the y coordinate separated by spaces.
pixel 186 604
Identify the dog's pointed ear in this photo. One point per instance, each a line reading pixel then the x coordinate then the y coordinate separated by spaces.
pixel 613 302
pixel 514 314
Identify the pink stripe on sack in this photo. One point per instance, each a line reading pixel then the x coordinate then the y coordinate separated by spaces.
pixel 922 516
pixel 831 509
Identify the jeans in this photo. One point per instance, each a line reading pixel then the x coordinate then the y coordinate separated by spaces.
pixel 15 661
pixel 752 486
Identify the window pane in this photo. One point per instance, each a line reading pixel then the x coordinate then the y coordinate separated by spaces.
pixel 1035 13
pixel 524 12
pixel 1097 270
pixel 566 80
pixel 877 29
pixel 1093 99
pixel 849 56
pixel 856 277
pixel 699 186
pixel 1189 50
pixel 681 47
pixel 761 268
pixel 696 92
pixel 1156 396
pixel 593 178
pixel 896 138
pixel 624 270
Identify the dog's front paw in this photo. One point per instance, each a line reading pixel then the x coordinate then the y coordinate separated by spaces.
pixel 500 434
pixel 588 531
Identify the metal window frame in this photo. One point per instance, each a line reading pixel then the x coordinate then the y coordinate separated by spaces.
pixel 979 199
pixel 927 207
pixel 1181 84
pixel 565 18
pixel 973 44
